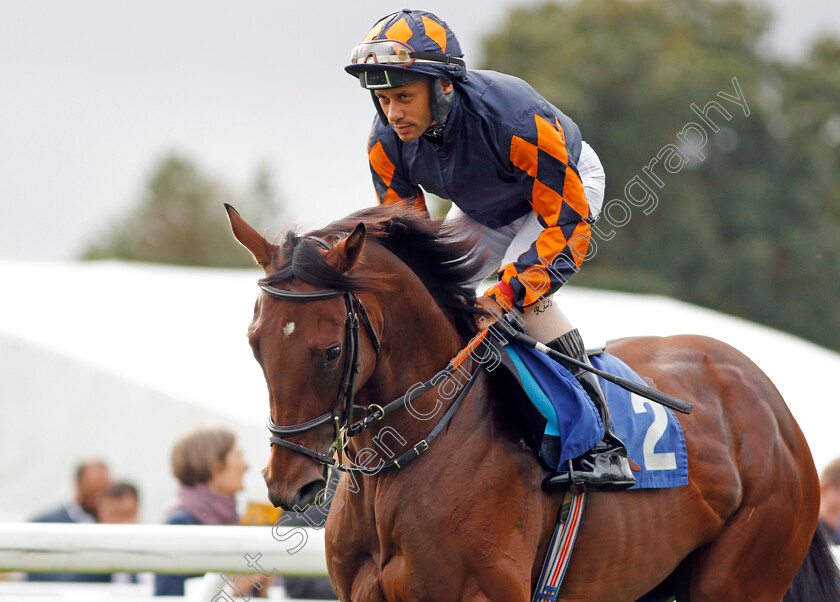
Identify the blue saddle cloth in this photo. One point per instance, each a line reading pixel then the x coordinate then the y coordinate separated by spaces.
pixel 652 434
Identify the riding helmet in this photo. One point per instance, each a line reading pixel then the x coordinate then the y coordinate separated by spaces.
pixel 408 46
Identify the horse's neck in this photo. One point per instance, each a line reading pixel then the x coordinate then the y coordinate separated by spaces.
pixel 418 338
pixel 418 341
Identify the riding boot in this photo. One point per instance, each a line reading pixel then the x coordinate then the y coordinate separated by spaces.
pixel 604 467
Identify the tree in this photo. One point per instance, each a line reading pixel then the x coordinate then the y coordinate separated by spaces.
pixel 180 219
pixel 750 222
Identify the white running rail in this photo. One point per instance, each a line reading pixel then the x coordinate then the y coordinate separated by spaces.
pixel 173 549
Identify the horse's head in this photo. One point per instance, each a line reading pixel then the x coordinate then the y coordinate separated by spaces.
pixel 320 315
pixel 305 342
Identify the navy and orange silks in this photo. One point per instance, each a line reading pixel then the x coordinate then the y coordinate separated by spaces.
pixel 505 151
pixel 427 35
pixel 402 46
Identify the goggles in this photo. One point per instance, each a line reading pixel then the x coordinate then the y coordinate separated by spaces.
pixel 383 52
pixel 391 53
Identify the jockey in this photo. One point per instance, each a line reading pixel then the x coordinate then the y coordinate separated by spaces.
pixel 517 172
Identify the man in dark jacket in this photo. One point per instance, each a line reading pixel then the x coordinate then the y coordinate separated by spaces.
pixel 518 173
pixel 92 479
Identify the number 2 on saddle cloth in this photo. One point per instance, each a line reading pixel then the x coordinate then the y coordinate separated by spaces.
pixel 562 421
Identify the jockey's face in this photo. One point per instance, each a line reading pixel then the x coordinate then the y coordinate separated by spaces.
pixel 409 108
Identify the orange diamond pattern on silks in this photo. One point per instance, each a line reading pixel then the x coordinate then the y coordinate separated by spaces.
pixel 547 203
pixel 391 196
pixel 399 31
pixel 550 243
pixel 551 139
pixel 381 163
pixel 435 31
pixel 536 281
pixel 508 273
pixel 375 31
pixel 384 169
pixel 579 242
pixel 574 194
pixel 523 154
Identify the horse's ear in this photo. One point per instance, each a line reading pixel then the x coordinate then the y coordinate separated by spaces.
pixel 249 238
pixel 345 254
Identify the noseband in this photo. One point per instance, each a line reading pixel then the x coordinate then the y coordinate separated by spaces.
pixel 341 412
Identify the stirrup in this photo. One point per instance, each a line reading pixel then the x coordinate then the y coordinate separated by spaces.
pixel 615 476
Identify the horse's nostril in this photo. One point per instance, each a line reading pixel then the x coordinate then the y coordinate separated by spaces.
pixel 308 494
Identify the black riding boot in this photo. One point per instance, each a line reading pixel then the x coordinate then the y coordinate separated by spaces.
pixel 604 467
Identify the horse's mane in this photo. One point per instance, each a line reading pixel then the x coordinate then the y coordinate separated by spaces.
pixel 444 261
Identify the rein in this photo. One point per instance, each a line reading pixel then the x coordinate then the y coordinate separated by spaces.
pixel 341 411
pixel 380 412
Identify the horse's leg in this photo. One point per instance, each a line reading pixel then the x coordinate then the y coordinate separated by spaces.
pixel 750 464
pixel 753 558
pixel 763 543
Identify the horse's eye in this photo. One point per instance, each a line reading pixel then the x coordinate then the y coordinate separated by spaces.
pixel 332 354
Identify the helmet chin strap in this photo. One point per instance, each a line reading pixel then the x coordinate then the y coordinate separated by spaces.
pixel 382 116
pixel 441 103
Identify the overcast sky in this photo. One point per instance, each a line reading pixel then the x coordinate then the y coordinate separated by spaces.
pixel 93 92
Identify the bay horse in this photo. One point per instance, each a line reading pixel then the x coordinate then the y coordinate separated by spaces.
pixel 356 314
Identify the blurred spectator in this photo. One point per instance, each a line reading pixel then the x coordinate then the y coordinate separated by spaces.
pixel 92 478
pixel 208 464
pixel 830 500
pixel 119 503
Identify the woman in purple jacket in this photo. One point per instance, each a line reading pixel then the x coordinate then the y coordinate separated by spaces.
pixel 209 466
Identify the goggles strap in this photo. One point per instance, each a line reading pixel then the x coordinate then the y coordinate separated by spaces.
pixel 438 57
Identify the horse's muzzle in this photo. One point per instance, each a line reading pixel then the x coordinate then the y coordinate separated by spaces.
pixel 290 499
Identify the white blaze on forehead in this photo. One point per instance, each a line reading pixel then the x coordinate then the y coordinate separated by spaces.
pixel 288 328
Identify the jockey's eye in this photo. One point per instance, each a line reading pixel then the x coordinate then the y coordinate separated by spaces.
pixel 332 354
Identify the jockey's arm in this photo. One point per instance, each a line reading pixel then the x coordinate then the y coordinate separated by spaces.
pixel 552 185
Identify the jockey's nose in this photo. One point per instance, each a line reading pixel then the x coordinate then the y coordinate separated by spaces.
pixel 395 113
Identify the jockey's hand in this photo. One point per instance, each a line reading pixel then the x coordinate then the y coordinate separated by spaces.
pixel 490 305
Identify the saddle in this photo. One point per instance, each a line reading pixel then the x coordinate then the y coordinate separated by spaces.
pixel 560 422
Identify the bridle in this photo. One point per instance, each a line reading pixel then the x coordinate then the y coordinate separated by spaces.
pixel 342 409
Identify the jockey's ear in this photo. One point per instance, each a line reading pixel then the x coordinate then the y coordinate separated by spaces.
pixel 260 248
pixel 345 254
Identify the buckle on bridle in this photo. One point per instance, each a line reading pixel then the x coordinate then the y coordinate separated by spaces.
pixel 423 444
pixel 338 443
